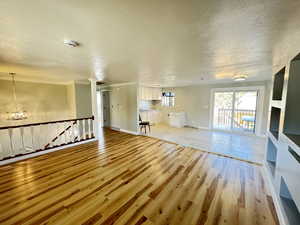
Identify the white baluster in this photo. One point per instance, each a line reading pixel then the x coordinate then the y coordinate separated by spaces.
pixel 83 130
pixel 92 129
pixel 47 136
pixel 56 142
pixel 22 150
pixel 89 128
pixel 1 152
pixel 41 136
pixel 76 131
pixel 73 131
pixel 61 137
pixel 32 138
pixel 72 134
pixel 52 133
pixel 10 133
pixel 65 135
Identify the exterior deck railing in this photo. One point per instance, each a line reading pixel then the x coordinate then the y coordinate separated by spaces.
pixel 243 120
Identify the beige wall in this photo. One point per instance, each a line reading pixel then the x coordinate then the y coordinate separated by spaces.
pixel 195 101
pixel 83 100
pixel 123 107
pixel 43 102
pixel 71 99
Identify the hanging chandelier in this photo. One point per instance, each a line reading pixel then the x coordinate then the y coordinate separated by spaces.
pixel 17 114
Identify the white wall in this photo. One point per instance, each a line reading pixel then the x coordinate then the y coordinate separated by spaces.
pixel 43 102
pixel 195 101
pixel 83 100
pixel 123 106
pixel 71 99
pixel 46 102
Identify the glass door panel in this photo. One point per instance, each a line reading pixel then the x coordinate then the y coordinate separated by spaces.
pixel 223 108
pixel 244 111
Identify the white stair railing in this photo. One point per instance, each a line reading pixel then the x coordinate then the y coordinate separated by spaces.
pixel 23 139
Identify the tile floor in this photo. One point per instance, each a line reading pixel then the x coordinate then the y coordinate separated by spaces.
pixel 245 147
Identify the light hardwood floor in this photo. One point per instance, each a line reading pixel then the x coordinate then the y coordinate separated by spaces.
pixel 130 179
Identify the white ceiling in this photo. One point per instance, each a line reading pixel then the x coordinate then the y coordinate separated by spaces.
pixel 166 42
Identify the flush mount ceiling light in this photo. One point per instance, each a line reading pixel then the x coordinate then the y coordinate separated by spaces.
pixel 71 43
pixel 170 78
pixel 156 85
pixel 240 78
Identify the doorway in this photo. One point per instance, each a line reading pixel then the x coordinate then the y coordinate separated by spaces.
pixel 106 108
pixel 237 110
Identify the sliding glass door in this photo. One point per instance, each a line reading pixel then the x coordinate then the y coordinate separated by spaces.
pixel 235 110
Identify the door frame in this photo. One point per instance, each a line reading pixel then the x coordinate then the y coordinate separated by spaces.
pixel 102 106
pixel 259 106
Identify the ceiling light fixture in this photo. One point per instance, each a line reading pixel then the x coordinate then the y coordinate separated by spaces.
pixel 170 78
pixel 17 114
pixel 71 43
pixel 240 78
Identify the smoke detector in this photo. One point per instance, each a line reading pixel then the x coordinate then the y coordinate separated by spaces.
pixel 71 43
pixel 240 77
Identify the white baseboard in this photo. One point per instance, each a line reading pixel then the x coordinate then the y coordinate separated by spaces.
pixel 115 128
pixel 203 128
pixel 197 127
pixel 275 197
pixel 34 154
pixel 129 132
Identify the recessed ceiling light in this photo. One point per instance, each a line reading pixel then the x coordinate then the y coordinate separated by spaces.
pixel 170 78
pixel 240 77
pixel 71 43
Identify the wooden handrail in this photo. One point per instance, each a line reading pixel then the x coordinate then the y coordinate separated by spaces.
pixel 44 123
pixel 60 134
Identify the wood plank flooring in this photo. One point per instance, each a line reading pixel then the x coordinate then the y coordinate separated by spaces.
pixel 127 179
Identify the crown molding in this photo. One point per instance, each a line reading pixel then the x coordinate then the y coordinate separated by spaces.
pixel 32 80
pixel 119 84
pixel 86 82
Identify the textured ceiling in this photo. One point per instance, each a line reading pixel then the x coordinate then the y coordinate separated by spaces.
pixel 166 42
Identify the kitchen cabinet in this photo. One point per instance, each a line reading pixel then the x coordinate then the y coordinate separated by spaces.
pixel 153 116
pixel 150 93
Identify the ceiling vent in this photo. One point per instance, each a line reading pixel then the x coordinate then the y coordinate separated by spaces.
pixel 71 43
pixel 100 83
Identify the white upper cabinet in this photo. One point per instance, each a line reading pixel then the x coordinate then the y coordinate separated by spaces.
pixel 148 93
pixel 156 93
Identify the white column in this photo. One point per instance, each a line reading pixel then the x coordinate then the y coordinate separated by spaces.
pixel 95 107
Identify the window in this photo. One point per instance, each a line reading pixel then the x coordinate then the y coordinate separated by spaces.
pixel 168 99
